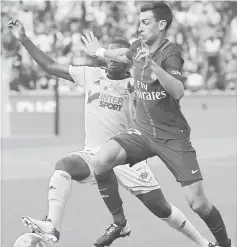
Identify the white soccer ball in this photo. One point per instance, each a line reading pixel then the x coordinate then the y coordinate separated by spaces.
pixel 29 240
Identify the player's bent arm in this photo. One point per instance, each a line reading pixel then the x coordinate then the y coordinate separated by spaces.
pixel 119 55
pixel 172 85
pixel 46 62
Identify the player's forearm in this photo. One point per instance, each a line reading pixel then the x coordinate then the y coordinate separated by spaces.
pixel 39 56
pixel 173 86
pixel 118 55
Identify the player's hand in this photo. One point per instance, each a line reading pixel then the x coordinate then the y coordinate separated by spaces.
pixel 144 53
pixel 17 29
pixel 91 43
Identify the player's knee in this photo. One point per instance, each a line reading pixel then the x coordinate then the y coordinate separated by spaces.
pixel 200 205
pixel 101 164
pixel 197 198
pixel 160 209
pixel 75 166
pixel 164 210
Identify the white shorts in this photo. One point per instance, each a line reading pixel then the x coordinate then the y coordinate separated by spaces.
pixel 138 179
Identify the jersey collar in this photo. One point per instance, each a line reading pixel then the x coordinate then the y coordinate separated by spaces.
pixel 162 46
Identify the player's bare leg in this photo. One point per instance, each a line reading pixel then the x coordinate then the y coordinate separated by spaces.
pixel 200 204
pixel 72 167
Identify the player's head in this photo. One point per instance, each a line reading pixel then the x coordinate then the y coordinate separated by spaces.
pixel 113 66
pixel 155 17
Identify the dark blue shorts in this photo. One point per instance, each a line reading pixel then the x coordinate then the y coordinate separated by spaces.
pixel 178 155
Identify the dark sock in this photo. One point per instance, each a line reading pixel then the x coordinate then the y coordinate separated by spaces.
pixel 108 187
pixel 216 224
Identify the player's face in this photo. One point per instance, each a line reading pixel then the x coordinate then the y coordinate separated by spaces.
pixel 149 27
pixel 113 66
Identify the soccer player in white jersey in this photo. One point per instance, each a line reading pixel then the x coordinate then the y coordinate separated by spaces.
pixel 108 108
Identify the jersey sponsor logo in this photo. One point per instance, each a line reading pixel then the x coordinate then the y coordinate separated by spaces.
pixel 111 102
pixel 92 97
pixel 150 95
pixel 175 72
pixel 106 100
pixel 142 92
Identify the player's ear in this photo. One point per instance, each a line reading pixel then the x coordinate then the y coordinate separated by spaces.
pixel 162 25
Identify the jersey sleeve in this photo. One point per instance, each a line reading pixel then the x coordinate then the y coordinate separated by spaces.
pixel 174 65
pixel 78 74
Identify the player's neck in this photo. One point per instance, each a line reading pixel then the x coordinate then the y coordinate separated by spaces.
pixel 158 42
pixel 116 76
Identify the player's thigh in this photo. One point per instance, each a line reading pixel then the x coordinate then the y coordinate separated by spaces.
pixel 137 179
pixel 136 146
pixel 78 165
pixel 180 158
pixel 110 155
pixel 128 147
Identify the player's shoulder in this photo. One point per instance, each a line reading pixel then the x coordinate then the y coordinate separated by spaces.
pixel 95 71
pixel 171 49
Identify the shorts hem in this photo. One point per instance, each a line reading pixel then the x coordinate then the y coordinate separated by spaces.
pixel 143 191
pixel 189 180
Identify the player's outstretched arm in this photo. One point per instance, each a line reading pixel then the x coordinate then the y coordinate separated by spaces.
pixel 94 49
pixel 46 62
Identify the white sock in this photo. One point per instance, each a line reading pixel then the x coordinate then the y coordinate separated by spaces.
pixel 59 191
pixel 180 223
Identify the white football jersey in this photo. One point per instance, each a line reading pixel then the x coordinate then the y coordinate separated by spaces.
pixel 108 104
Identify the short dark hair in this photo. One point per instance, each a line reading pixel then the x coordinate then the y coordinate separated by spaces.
pixel 161 11
pixel 122 42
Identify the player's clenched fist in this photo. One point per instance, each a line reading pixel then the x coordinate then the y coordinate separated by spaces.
pixel 17 29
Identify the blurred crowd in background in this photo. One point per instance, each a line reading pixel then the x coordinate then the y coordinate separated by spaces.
pixel 205 32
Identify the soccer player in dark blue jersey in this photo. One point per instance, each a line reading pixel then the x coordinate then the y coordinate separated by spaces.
pixel 160 127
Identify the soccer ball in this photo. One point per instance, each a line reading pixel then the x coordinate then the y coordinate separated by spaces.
pixel 29 240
